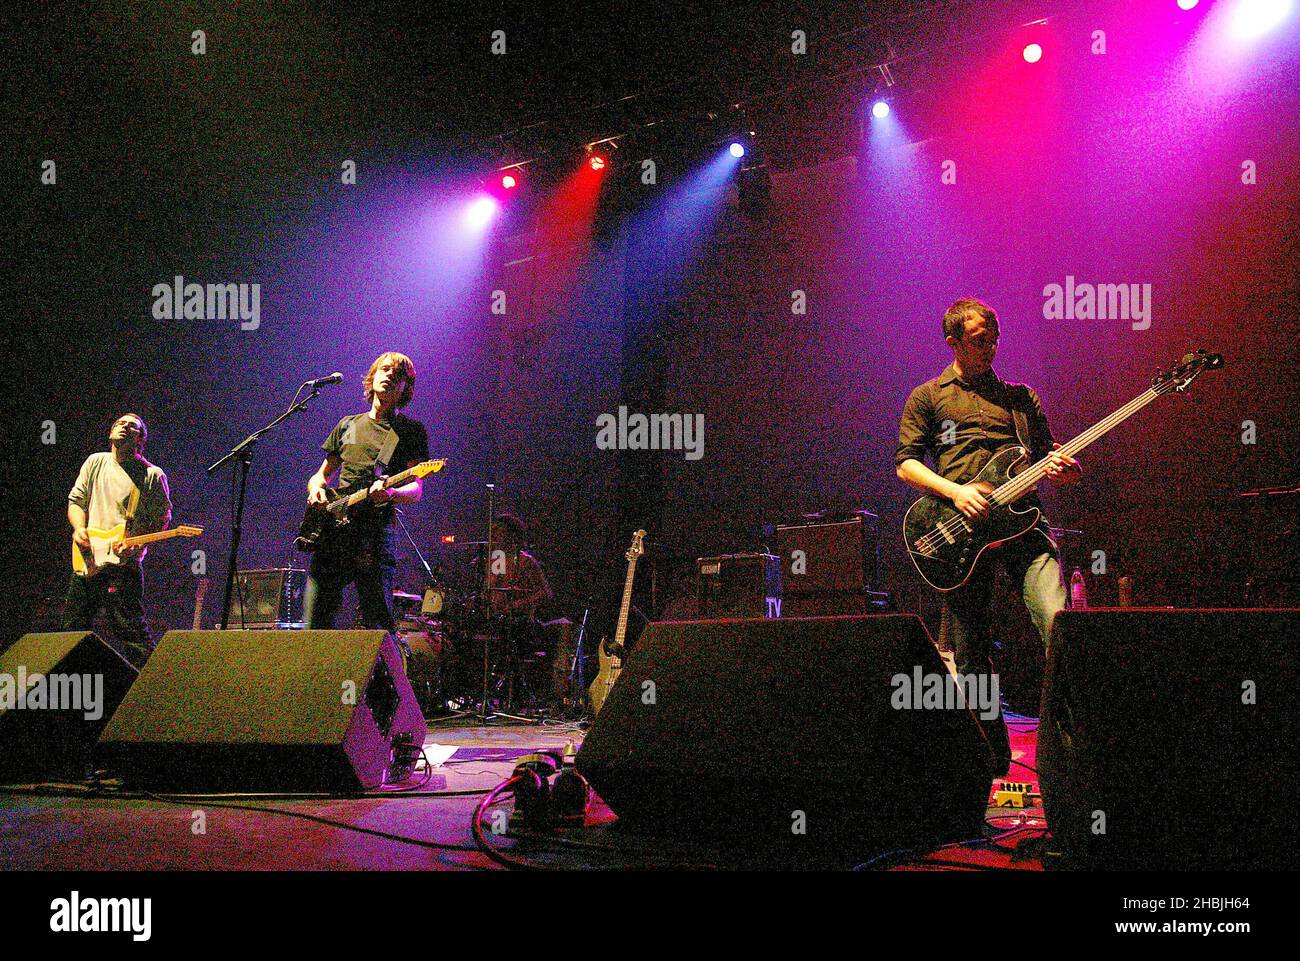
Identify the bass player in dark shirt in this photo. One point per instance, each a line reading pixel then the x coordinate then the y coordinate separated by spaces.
pixel 961 419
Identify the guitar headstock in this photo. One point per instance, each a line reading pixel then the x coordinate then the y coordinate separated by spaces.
pixel 1182 375
pixel 188 530
pixel 638 546
pixel 427 467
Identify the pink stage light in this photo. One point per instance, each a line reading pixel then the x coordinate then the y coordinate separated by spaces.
pixel 1033 53
pixel 1186 4
pixel 509 181
pixel 880 110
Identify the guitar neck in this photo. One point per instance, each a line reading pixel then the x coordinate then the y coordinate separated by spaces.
pixel 621 632
pixel 1028 479
pixel 143 539
pixel 397 480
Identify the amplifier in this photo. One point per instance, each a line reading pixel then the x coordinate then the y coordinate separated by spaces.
pixel 831 567
pixel 268 599
pixel 739 585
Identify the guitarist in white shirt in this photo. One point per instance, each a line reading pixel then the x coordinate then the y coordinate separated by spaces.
pixel 114 487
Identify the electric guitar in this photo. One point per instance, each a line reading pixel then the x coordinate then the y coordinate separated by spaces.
pixel 945 545
pixel 323 521
pixel 611 655
pixel 105 543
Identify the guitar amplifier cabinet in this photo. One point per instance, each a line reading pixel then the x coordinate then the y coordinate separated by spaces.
pixel 831 567
pixel 268 600
pixel 739 585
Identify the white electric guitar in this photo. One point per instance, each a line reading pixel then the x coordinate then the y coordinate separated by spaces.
pixel 105 544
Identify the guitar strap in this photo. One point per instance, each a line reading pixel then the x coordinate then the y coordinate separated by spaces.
pixel 386 452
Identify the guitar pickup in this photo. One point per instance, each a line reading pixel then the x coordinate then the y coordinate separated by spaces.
pixel 925 547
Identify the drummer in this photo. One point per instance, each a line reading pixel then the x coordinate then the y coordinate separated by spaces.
pixel 516 585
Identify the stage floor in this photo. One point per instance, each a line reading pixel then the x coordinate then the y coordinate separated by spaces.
pixel 74 829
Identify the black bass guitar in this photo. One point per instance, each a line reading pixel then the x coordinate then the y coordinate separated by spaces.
pixel 323 521
pixel 945 545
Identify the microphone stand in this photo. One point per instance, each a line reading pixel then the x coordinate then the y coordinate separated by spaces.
pixel 485 598
pixel 243 453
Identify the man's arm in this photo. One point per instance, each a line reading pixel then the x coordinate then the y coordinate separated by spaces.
pixel 317 483
pixel 967 498
pixel 77 518
pixel 913 435
pixel 409 493
pixel 78 501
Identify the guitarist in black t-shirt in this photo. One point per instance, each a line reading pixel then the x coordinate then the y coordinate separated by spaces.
pixel 363 551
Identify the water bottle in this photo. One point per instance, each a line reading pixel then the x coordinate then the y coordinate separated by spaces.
pixel 1078 591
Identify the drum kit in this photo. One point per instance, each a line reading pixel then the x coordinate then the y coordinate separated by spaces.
pixel 463 655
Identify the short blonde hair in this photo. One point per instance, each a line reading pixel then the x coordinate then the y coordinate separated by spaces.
pixel 404 366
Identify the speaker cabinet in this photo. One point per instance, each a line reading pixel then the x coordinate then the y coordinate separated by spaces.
pixel 268 599
pixel 766 734
pixel 70 684
pixel 1168 738
pixel 326 710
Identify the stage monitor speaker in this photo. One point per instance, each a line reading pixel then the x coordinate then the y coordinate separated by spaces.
pixel 1168 739
pixel 329 711
pixel 782 734
pixel 57 691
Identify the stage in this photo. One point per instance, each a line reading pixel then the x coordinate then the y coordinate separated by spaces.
pixel 71 828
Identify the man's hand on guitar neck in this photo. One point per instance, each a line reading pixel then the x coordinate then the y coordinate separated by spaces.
pixel 379 494
pixel 1061 469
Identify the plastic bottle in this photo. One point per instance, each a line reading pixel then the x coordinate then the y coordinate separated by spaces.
pixel 1078 591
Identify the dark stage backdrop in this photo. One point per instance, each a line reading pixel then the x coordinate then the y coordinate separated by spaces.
pixel 1110 170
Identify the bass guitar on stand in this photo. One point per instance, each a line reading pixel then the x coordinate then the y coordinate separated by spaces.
pixel 611 654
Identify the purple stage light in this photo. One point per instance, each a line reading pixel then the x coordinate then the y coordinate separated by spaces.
pixel 880 110
pixel 1033 53
pixel 1254 18
pixel 737 149
pixel 480 212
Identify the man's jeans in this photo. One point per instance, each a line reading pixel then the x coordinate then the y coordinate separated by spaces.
pixel 1031 562
pixel 117 590
pixel 338 564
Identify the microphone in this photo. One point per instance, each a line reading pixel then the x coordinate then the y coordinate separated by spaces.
pixel 334 378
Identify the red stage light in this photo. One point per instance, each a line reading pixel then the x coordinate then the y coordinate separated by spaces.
pixel 1033 53
pixel 448 538
pixel 508 181
pixel 597 162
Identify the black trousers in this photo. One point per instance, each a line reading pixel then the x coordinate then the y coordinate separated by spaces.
pixel 366 558
pixel 117 591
